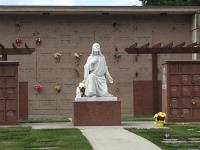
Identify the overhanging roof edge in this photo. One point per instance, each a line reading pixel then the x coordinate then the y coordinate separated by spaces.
pixel 98 9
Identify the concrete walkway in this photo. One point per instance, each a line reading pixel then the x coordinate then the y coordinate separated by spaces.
pixel 115 138
pixel 60 125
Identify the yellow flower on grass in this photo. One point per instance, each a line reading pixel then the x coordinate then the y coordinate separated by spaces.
pixel 160 118
pixel 162 114
pixel 155 116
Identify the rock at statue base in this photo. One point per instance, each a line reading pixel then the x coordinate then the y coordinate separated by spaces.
pixel 97 111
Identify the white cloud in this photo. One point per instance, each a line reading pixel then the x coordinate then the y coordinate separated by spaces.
pixel 38 2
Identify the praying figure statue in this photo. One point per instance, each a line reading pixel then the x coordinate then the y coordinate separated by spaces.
pixel 96 76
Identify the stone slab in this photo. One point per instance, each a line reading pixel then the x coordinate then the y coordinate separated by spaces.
pixel 141 125
pixel 86 99
pixel 175 142
pixel 53 125
pixel 97 113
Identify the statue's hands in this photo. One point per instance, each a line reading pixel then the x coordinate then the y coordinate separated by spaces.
pixel 111 82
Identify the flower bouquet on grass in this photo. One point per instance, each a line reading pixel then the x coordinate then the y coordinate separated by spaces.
pixel 160 119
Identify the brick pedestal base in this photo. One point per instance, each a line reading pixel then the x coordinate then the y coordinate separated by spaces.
pixel 97 113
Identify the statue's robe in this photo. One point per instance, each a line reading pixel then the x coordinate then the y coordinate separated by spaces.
pixel 95 76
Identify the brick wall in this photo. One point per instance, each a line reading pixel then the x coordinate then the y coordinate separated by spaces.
pixel 70 34
pixel 143 101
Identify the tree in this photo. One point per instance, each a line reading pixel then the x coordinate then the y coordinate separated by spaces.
pixel 170 2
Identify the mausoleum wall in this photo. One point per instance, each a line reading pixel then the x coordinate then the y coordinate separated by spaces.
pixel 76 34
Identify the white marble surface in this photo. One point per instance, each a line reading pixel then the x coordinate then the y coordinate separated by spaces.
pixel 96 75
pixel 86 99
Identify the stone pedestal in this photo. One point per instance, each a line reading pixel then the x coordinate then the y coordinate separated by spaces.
pixel 98 111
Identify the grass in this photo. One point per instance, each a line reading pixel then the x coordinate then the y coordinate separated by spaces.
pixel 138 118
pixel 44 120
pixel 178 131
pixel 25 138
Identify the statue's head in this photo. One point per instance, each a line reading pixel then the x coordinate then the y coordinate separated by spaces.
pixel 96 49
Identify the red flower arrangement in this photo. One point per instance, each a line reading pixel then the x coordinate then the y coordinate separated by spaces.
pixel 38 87
pixel 18 42
pixel 38 41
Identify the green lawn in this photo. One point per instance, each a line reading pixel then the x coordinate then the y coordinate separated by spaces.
pixel 25 138
pixel 177 131
pixel 138 118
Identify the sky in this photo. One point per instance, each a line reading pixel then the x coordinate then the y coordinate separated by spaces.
pixel 72 2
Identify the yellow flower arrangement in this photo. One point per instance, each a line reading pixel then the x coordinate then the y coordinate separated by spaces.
pixel 160 119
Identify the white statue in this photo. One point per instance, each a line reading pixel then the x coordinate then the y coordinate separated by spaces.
pixel 96 76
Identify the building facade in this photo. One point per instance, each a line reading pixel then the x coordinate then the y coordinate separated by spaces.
pixel 70 30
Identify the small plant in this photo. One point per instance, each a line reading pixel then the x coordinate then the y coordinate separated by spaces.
pixel 38 41
pixel 18 42
pixel 38 87
pixel 57 57
pixel 160 119
pixel 77 58
pixel 58 88
pixel 117 55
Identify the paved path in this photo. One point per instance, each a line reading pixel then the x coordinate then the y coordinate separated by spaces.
pixel 115 138
pixel 125 124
